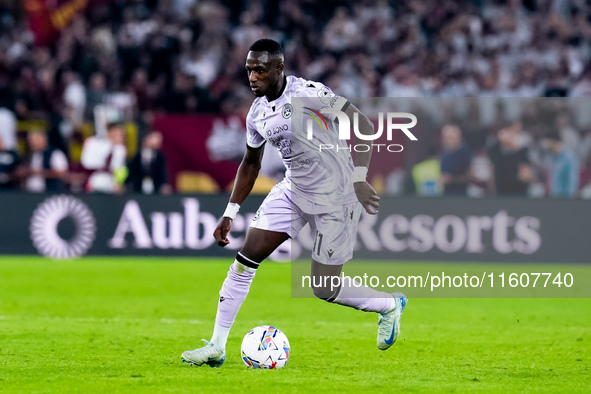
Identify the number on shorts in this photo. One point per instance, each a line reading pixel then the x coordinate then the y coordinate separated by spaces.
pixel 317 241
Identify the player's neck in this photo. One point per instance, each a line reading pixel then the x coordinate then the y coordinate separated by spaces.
pixel 277 89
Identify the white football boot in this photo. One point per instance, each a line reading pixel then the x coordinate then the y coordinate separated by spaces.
pixel 210 354
pixel 389 322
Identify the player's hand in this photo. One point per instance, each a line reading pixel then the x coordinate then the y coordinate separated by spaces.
pixel 221 231
pixel 367 196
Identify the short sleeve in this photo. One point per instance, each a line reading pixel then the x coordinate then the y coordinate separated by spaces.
pixel 320 96
pixel 330 99
pixel 253 139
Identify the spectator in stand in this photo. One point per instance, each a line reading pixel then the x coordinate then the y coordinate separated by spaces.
pixel 569 135
pixel 74 98
pixel 456 161
pixel 562 167
pixel 8 128
pixel 104 158
pixel 97 92
pixel 512 172
pixel 183 97
pixel 186 56
pixel 432 47
pixel 583 86
pixel 9 162
pixel 46 168
pixel 147 169
pixel 47 96
pixel 142 91
pixel 427 175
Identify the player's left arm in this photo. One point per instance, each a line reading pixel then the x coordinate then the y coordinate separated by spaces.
pixel 366 194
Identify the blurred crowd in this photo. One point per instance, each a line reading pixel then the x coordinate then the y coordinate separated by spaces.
pixel 545 151
pixel 138 57
pixel 103 166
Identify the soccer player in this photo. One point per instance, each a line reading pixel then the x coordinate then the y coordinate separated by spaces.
pixel 323 188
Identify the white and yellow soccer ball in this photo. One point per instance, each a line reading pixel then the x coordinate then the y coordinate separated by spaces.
pixel 265 347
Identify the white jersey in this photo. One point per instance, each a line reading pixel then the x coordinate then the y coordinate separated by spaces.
pixel 316 180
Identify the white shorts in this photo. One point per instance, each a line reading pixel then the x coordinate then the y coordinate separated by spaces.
pixel 334 232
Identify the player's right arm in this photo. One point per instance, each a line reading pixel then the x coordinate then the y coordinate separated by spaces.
pixel 243 184
pixel 247 174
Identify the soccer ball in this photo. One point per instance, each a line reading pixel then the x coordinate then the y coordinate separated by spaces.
pixel 265 347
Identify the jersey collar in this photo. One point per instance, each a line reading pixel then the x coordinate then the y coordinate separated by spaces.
pixel 285 85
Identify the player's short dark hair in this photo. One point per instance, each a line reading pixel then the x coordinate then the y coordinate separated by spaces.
pixel 267 45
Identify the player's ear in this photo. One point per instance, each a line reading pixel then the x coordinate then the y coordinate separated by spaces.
pixel 280 67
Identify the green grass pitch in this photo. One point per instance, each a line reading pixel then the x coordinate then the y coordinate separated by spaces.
pixel 120 325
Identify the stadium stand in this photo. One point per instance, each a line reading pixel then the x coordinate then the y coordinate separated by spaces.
pixel 138 58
